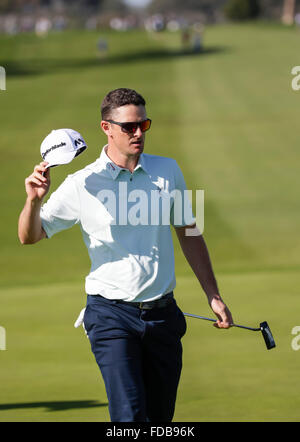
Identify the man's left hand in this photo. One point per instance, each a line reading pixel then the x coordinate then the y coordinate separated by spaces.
pixel 222 312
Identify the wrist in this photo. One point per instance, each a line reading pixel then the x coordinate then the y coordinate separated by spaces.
pixel 34 201
pixel 213 297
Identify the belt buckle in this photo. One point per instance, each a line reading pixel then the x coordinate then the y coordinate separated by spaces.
pixel 145 306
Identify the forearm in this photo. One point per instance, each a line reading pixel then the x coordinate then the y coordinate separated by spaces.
pixel 30 225
pixel 196 253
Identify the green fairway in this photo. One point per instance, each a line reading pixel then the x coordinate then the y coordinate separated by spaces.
pixel 50 374
pixel 230 118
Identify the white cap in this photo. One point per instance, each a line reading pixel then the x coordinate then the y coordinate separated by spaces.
pixel 61 146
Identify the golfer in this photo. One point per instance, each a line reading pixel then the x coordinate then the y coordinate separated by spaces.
pixel 132 320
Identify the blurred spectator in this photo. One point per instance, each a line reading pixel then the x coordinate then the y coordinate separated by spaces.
pixel 91 24
pixel 102 47
pixel 42 26
pixel 27 23
pixel 198 30
pixel 117 24
pixel 123 24
pixel 59 23
pixel 155 23
pixel 185 37
pixel 10 24
pixel 173 25
pixel 158 23
pixel 297 19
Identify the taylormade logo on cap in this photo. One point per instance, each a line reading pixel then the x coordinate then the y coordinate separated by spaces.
pixel 52 148
pixel 61 146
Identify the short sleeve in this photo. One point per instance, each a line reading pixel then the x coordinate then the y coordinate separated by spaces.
pixel 181 210
pixel 62 210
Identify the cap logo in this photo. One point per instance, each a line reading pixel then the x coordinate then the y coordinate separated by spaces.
pixel 78 141
pixel 52 148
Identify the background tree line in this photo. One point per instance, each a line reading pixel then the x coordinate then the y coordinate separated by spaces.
pixel 232 9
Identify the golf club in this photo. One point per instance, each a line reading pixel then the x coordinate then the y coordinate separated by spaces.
pixel 263 327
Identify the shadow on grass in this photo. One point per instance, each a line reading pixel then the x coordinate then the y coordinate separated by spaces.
pixel 39 66
pixel 54 406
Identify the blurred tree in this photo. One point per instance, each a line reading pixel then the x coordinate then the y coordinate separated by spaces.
pixel 93 3
pixel 114 6
pixel 242 9
pixel 11 5
pixel 164 6
pixel 15 5
pixel 4 4
pixel 82 3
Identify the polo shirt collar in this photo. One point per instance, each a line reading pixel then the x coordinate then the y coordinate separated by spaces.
pixel 114 170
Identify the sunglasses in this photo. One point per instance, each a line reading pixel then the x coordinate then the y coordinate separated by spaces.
pixel 132 127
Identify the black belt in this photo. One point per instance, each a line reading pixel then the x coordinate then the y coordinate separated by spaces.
pixel 148 305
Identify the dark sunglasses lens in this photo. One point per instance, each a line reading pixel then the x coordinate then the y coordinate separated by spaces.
pixel 145 125
pixel 129 127
pixel 132 127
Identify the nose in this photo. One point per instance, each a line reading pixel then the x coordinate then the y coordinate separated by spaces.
pixel 138 132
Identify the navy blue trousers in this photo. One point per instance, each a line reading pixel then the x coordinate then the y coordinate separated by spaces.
pixel 139 353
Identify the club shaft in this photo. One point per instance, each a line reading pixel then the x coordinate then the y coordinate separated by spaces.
pixel 214 320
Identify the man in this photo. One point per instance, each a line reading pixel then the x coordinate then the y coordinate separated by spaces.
pixel 132 319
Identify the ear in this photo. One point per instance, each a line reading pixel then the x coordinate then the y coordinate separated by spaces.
pixel 105 126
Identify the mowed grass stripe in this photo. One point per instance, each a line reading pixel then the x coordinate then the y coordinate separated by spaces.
pixel 237 152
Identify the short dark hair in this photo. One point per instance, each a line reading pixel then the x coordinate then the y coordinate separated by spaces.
pixel 120 97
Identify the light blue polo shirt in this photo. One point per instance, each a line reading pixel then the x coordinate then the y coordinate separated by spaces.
pixel 125 221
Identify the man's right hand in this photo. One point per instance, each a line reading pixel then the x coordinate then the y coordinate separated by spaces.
pixel 38 183
pixel 30 228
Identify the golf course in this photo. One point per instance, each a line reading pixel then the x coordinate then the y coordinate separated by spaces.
pixel 228 115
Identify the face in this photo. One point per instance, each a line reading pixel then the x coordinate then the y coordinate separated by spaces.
pixel 128 144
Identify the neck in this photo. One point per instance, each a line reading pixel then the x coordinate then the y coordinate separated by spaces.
pixel 125 161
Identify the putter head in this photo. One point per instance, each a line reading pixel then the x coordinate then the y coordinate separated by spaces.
pixel 268 337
